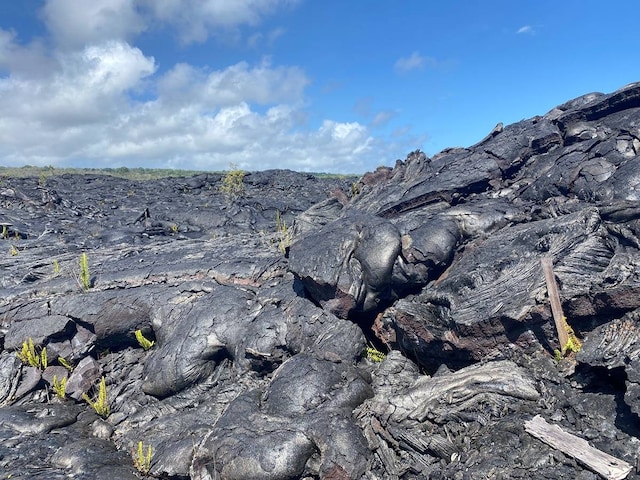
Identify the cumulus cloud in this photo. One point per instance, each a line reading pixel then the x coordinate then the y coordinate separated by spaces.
pixel 197 20
pixel 27 60
pixel 87 87
pixel 46 119
pixel 106 105
pixel 191 138
pixel 415 61
pixel 262 84
pixel 91 98
pixel 74 23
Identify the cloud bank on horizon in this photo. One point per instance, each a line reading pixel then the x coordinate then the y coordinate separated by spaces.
pixel 201 84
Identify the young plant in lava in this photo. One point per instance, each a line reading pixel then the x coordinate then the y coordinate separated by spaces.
pixel 101 404
pixel 233 183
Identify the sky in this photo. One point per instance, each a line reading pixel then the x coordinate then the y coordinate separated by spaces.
pixel 309 85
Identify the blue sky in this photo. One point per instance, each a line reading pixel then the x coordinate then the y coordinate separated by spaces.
pixel 333 86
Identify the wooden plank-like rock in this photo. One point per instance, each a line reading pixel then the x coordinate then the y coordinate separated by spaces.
pixel 606 465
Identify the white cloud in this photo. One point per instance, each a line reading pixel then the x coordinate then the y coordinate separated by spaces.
pixel 262 84
pixel 56 116
pixel 74 23
pixel 91 98
pixel 413 62
pixel 23 60
pixel 190 138
pixel 83 112
pixel 197 20
pixel 526 29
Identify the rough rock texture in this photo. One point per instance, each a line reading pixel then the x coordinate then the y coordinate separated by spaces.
pixel 263 364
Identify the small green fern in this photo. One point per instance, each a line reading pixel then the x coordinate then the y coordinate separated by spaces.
pixel 60 387
pixel 63 361
pixel 101 404
pixel 142 461
pixel 29 356
pixel 85 276
pixel 375 355
pixel 143 341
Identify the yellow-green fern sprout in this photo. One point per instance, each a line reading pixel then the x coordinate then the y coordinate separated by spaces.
pixel 43 358
pixel 101 404
pixel 375 355
pixel 60 387
pixel 63 361
pixel 29 356
pixel 85 276
pixel 143 341
pixel 573 344
pixel 142 461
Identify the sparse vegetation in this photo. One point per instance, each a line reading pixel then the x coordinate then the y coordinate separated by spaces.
pixel 573 344
pixel 63 361
pixel 374 355
pixel 13 251
pixel 557 355
pixel 145 343
pixel 101 404
pixel 60 387
pixel 233 182
pixel 138 174
pixel 85 276
pixel 142 460
pixel 56 266
pixel 29 356
pixel 285 236
pixel 5 232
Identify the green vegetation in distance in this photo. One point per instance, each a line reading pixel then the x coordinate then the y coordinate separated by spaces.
pixel 138 174
pixel 29 171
